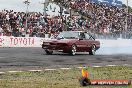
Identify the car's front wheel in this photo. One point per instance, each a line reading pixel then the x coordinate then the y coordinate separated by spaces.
pixel 93 50
pixel 48 52
pixel 73 50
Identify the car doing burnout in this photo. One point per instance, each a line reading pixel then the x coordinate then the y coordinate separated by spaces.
pixel 72 42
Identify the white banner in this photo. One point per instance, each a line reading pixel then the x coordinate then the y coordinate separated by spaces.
pixel 21 41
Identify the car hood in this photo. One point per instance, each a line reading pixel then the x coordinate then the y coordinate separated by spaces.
pixel 59 40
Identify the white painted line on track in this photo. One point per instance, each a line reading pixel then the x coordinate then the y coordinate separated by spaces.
pixel 35 70
pixel 65 68
pixel 14 71
pixel 96 66
pixel 50 69
pixel 111 65
pixel 81 67
pixel 2 72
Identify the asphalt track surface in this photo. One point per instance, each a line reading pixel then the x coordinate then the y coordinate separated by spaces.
pixel 29 58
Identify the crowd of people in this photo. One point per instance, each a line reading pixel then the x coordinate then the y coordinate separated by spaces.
pixel 14 24
pixel 104 19
pixel 100 19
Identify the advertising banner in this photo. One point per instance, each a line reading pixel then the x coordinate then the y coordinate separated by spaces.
pixel 21 41
pixel 6 41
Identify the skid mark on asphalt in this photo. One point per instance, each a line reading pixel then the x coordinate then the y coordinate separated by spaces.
pixel 58 60
pixel 99 59
pixel 80 59
pixel 4 62
pixel 36 57
pixel 123 60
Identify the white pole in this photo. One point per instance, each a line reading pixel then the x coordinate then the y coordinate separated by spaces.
pixel 27 3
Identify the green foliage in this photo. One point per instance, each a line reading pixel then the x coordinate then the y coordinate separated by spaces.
pixel 64 78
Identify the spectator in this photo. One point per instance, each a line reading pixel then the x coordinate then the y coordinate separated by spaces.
pixel 99 18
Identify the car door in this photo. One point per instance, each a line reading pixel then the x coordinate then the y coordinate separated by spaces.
pixel 89 41
pixel 81 43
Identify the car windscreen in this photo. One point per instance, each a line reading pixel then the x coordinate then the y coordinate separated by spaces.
pixel 68 35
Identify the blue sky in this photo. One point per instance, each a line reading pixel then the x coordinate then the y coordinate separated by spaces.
pixel 18 5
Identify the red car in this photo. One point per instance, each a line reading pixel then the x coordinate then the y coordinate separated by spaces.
pixel 72 42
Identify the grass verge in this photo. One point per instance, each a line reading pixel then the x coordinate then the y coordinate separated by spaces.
pixel 64 78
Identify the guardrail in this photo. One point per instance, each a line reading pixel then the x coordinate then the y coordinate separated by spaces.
pixel 21 41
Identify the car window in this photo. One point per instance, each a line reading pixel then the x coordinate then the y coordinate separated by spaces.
pixel 88 36
pixel 82 36
pixel 68 35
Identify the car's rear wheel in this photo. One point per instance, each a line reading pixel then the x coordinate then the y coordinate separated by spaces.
pixel 48 52
pixel 93 50
pixel 73 50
